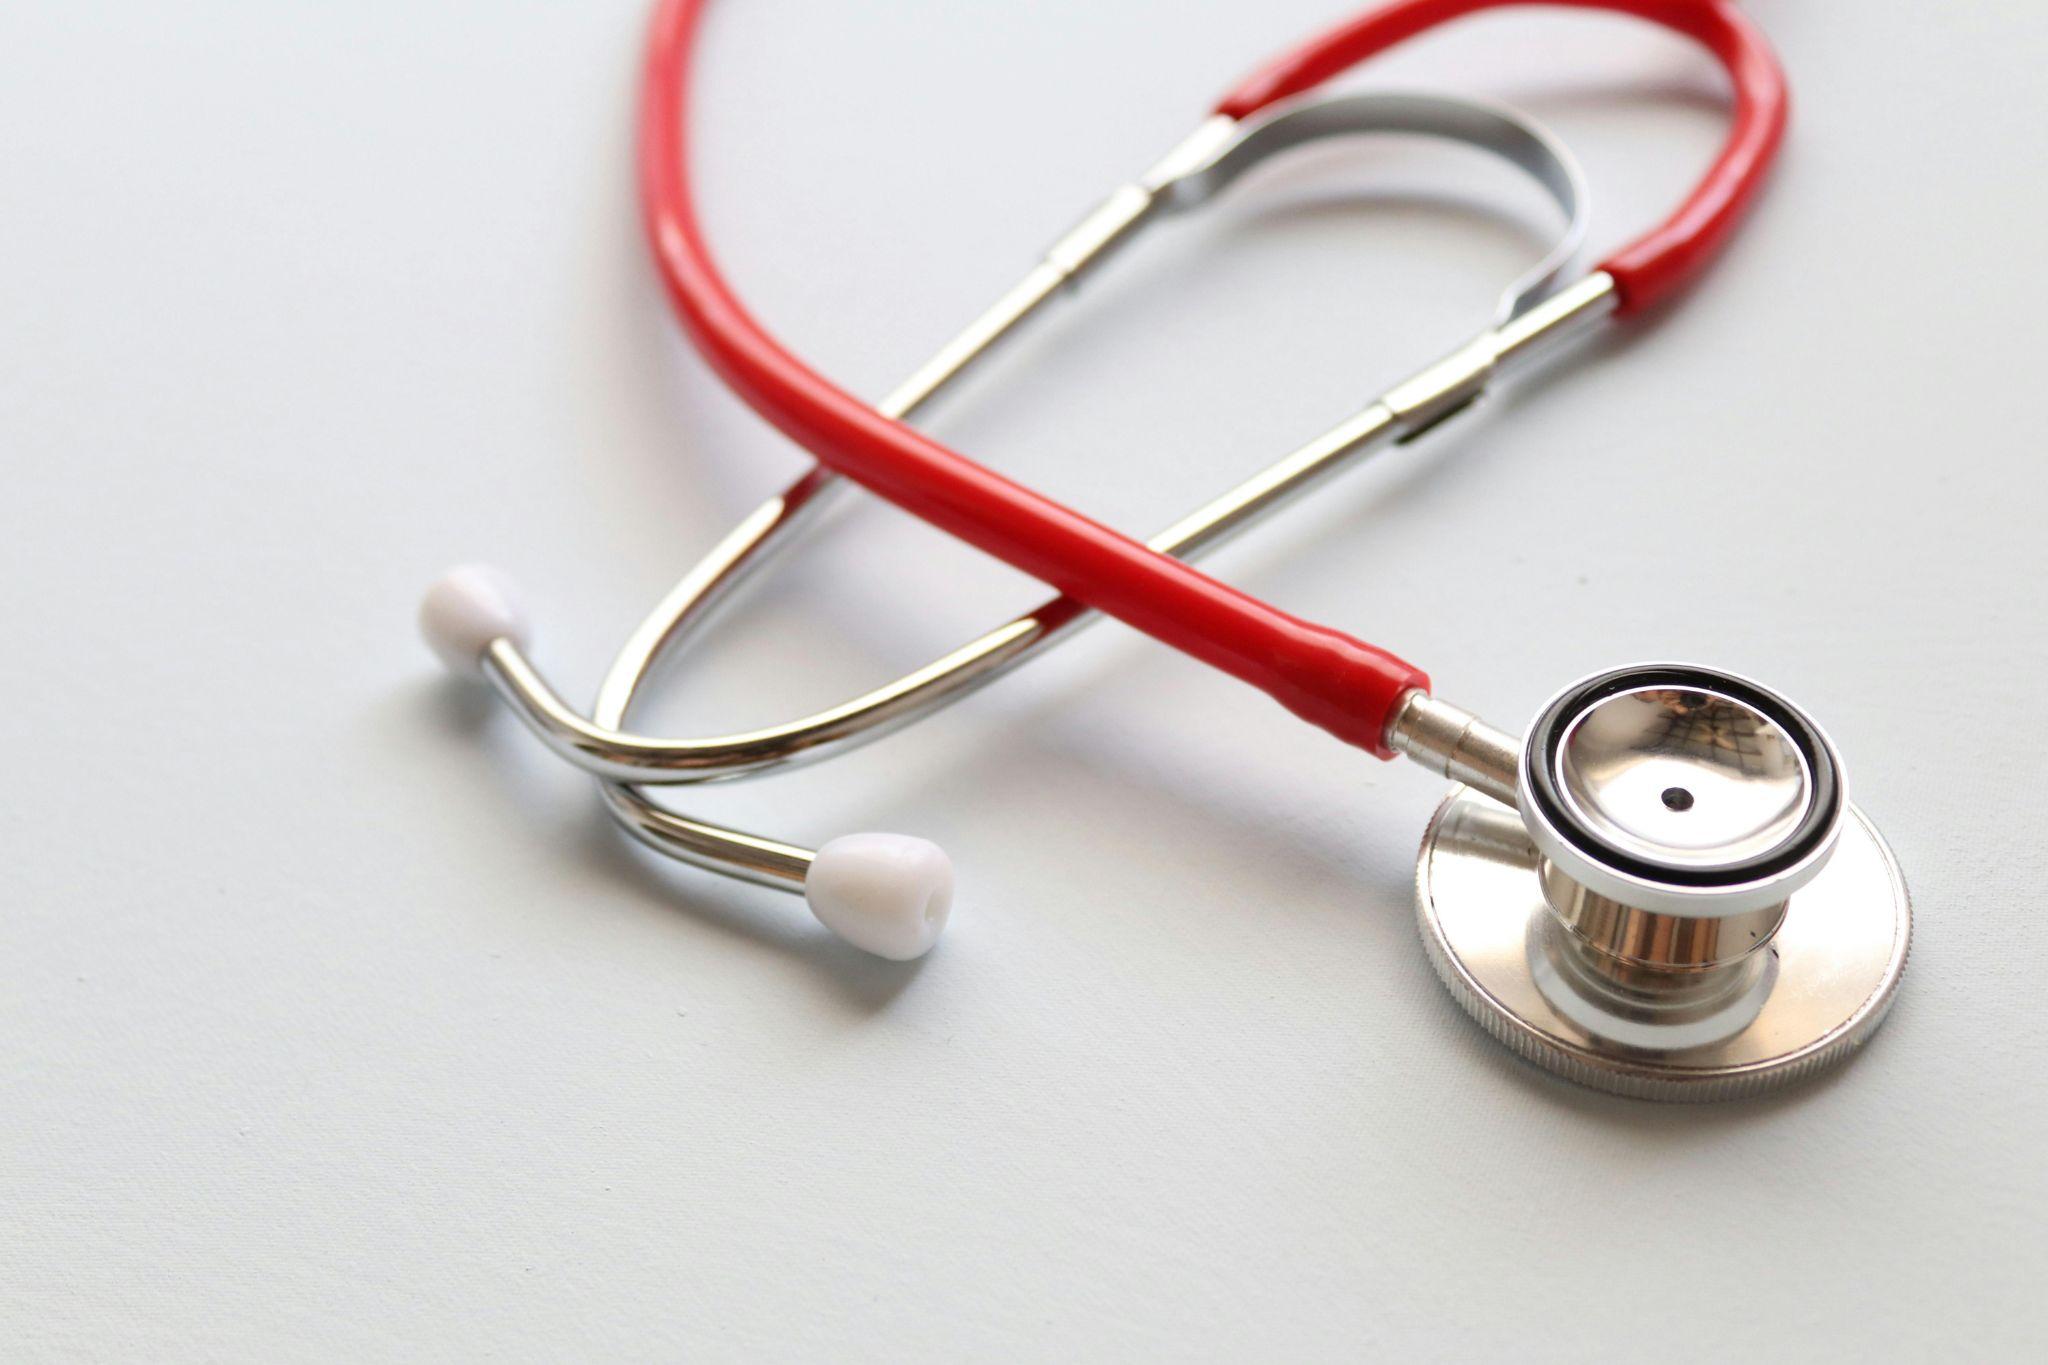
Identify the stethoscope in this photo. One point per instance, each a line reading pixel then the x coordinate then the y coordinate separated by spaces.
pixel 1660 889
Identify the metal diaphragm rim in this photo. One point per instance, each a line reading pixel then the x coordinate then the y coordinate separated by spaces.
pixel 1840 954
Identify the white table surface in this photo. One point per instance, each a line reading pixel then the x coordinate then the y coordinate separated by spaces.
pixel 336 1023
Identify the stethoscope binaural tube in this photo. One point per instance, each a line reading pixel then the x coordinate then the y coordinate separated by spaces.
pixel 1339 683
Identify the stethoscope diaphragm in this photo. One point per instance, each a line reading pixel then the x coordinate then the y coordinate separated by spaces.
pixel 1685 905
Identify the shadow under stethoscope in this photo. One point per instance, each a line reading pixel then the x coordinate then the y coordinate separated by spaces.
pixel 1038 749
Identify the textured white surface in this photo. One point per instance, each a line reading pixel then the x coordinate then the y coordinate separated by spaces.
pixel 335 1023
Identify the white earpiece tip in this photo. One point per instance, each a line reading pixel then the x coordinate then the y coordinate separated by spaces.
pixel 886 893
pixel 465 610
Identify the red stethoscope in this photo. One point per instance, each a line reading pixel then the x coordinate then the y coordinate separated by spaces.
pixel 1660 888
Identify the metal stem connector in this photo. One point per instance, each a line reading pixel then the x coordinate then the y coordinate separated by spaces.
pixel 1452 741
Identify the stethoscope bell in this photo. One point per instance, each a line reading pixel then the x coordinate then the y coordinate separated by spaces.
pixel 1686 906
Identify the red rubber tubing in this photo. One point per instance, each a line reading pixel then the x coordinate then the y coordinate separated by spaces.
pixel 1657 264
pixel 1341 684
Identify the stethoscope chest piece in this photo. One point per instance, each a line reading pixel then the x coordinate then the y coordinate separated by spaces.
pixel 1686 906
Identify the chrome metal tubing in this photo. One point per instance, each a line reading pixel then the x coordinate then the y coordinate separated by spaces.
pixel 1534 312
pixel 1449 740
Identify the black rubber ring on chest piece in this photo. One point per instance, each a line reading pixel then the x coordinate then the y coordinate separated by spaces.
pixel 1823 813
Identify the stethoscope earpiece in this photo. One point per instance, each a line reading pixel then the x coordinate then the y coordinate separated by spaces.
pixel 466 611
pixel 888 894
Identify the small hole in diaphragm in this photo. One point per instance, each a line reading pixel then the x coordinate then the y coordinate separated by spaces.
pixel 1677 798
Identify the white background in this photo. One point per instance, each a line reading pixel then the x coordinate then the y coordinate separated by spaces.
pixel 334 1020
